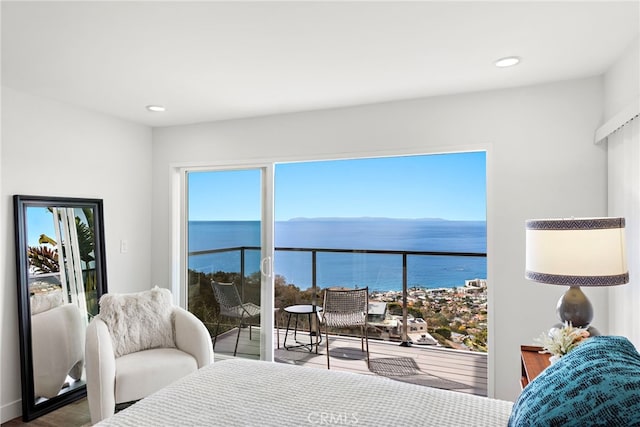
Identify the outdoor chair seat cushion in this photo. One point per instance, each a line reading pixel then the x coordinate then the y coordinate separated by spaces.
pixel 339 320
pixel 144 372
pixel 237 311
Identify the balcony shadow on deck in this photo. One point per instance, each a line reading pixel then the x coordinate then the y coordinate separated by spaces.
pixel 293 357
pixel 347 353
pixel 406 369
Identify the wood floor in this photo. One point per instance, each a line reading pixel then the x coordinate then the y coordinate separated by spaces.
pixel 424 365
pixel 431 366
pixel 75 414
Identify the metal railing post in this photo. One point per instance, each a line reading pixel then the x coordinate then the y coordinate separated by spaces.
pixel 242 270
pixel 405 336
pixel 314 290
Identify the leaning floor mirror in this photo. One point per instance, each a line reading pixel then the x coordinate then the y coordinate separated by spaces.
pixel 61 275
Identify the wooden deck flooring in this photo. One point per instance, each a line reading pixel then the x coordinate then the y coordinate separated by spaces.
pixel 424 365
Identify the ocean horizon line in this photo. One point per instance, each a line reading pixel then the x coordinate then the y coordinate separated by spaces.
pixel 337 218
pixel 379 271
pixel 410 288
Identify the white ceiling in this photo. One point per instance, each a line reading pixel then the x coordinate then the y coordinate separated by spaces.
pixel 211 61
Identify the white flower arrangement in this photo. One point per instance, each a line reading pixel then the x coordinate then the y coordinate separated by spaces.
pixel 560 341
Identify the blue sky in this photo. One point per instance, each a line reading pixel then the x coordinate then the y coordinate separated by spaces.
pixel 39 221
pixel 448 186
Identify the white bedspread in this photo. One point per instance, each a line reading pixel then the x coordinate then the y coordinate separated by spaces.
pixel 251 393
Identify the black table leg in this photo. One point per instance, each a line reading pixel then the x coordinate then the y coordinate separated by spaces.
pixel 312 334
pixel 287 332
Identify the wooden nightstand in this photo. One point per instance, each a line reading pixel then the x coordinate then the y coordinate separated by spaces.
pixel 532 363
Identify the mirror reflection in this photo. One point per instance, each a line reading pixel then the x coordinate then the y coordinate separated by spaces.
pixel 62 299
pixel 61 274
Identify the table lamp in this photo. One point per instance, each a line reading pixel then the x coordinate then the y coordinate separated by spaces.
pixel 576 252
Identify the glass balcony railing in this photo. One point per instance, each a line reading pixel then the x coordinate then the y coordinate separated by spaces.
pixel 447 309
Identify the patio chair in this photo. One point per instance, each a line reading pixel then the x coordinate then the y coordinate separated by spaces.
pixel 344 309
pixel 231 305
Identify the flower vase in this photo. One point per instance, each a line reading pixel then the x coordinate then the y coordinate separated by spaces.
pixel 553 359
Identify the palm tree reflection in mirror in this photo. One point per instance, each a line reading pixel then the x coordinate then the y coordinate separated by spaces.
pixel 74 230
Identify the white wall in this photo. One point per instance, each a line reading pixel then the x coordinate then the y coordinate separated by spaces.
pixel 3 250
pixel 621 89
pixel 541 163
pixel 51 149
pixel 622 81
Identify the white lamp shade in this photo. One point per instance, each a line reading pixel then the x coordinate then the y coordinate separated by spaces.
pixel 576 252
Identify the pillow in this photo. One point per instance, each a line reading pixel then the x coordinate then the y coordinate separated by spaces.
pixel 138 321
pixel 43 301
pixel 598 383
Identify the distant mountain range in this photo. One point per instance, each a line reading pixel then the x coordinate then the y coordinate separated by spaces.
pixel 371 218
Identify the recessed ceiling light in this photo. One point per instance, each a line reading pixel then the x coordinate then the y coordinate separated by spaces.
pixel 156 108
pixel 508 61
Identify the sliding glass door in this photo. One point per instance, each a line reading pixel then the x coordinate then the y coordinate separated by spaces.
pixel 228 263
pixel 411 229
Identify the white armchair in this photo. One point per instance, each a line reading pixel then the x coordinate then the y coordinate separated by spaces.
pixel 116 375
pixel 58 348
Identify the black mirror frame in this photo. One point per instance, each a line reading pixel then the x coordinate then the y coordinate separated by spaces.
pixel 30 410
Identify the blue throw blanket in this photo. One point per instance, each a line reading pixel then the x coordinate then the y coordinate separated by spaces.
pixel 597 384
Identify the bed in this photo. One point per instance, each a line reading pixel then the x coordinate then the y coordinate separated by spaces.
pixel 598 383
pixel 252 393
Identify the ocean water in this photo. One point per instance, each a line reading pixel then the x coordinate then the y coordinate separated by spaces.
pixel 379 272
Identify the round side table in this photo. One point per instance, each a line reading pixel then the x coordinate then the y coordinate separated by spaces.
pixel 298 310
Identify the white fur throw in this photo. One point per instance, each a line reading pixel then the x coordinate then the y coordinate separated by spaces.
pixel 138 321
pixel 44 301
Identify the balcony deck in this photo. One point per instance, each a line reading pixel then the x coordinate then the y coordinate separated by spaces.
pixel 431 366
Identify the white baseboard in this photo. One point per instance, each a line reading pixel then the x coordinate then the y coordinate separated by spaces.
pixel 10 411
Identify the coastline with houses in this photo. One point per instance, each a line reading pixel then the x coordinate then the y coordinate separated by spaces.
pixel 450 317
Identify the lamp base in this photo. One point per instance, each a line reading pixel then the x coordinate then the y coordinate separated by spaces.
pixel 574 307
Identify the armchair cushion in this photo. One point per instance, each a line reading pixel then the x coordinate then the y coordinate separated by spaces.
pixel 145 372
pixel 138 321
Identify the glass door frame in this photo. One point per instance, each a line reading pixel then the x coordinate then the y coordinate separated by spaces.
pixel 179 243
pixel 178 225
